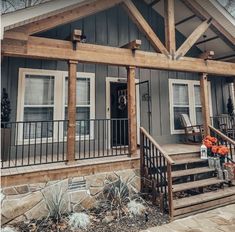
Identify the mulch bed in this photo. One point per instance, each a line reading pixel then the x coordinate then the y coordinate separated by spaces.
pixel 152 217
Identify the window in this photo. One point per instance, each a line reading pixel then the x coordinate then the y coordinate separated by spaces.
pixel 42 96
pixel 83 104
pixel 185 99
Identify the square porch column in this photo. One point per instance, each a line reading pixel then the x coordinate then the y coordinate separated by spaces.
pixel 71 130
pixel 205 103
pixel 132 121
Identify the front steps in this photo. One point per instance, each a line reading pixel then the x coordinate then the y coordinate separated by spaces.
pixel 195 187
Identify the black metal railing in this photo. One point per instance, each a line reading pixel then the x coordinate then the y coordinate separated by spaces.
pixel 32 143
pixel 42 142
pixel 156 168
pixel 225 124
pixel 222 139
pixel 98 138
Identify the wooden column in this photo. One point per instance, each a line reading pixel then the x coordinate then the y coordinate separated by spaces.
pixel 170 26
pixel 71 131
pixel 132 122
pixel 205 103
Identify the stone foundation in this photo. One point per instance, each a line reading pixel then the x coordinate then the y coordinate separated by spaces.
pixel 26 202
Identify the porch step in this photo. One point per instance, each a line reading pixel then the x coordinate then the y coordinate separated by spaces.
pixel 203 202
pixel 185 155
pixel 189 160
pixel 196 184
pixel 193 171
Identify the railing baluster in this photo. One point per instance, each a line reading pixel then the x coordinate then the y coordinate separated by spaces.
pixel 29 143
pixel 35 142
pixel 22 161
pixel 58 140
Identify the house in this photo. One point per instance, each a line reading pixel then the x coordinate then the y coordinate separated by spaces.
pixel 84 76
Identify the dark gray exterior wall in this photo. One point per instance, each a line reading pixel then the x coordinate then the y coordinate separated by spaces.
pixel 113 27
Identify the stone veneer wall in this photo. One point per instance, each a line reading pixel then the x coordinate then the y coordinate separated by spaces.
pixel 26 202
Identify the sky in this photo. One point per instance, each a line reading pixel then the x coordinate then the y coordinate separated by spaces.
pixel 229 5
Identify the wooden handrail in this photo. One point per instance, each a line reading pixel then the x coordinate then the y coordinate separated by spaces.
pixel 167 157
pixel 223 136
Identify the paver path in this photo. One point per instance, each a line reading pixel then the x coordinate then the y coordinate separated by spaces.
pixel 217 220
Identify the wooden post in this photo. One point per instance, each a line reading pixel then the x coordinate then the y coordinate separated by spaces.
pixel 170 26
pixel 71 131
pixel 170 192
pixel 205 103
pixel 132 122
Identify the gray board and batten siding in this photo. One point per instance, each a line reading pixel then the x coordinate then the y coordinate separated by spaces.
pixel 113 27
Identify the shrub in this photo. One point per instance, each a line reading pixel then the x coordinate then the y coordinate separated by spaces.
pixel 55 200
pixel 79 220
pixel 135 208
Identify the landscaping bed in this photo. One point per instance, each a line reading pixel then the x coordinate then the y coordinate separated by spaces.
pixel 101 222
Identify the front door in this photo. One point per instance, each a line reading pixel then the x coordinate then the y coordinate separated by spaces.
pixel 118 114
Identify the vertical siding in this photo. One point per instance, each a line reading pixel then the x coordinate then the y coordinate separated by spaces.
pixel 115 28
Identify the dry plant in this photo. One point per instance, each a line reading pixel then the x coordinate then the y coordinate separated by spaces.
pixel 79 221
pixel 56 202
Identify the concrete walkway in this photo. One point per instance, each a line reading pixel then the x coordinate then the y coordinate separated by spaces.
pixel 217 220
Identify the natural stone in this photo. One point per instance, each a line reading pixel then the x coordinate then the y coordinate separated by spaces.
pixel 22 189
pixel 16 207
pixel 95 190
pixel 108 219
pixel 77 196
pixel 21 218
pixel 10 191
pixel 96 180
pixel 136 183
pixel 38 211
pixel 126 175
pixel 89 202
pixel 36 187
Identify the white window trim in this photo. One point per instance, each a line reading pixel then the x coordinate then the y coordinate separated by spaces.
pixel 192 111
pixel 59 101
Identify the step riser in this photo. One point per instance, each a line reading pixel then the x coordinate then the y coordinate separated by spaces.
pixel 205 206
pixel 200 176
pixel 185 156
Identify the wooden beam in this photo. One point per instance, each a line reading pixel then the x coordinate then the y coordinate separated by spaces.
pixel 192 39
pixel 76 13
pixel 132 121
pixel 153 3
pixel 71 130
pixel 170 26
pixel 215 25
pixel 207 40
pixel 143 25
pixel 76 35
pixel 205 103
pixel 43 48
pixel 185 20
pixel 207 55
pixel 133 45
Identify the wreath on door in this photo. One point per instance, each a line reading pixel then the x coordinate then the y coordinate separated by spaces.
pixel 122 102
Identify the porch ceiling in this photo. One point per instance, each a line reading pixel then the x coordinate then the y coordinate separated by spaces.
pixel 218 45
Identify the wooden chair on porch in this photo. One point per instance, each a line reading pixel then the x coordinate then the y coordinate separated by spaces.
pixel 193 133
pixel 227 125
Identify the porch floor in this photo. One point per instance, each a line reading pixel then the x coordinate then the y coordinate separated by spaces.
pixel 168 148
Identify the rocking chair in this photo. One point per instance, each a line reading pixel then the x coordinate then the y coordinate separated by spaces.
pixel 193 133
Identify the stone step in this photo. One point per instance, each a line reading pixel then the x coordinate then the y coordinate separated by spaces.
pixel 195 184
pixel 191 171
pixel 202 202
